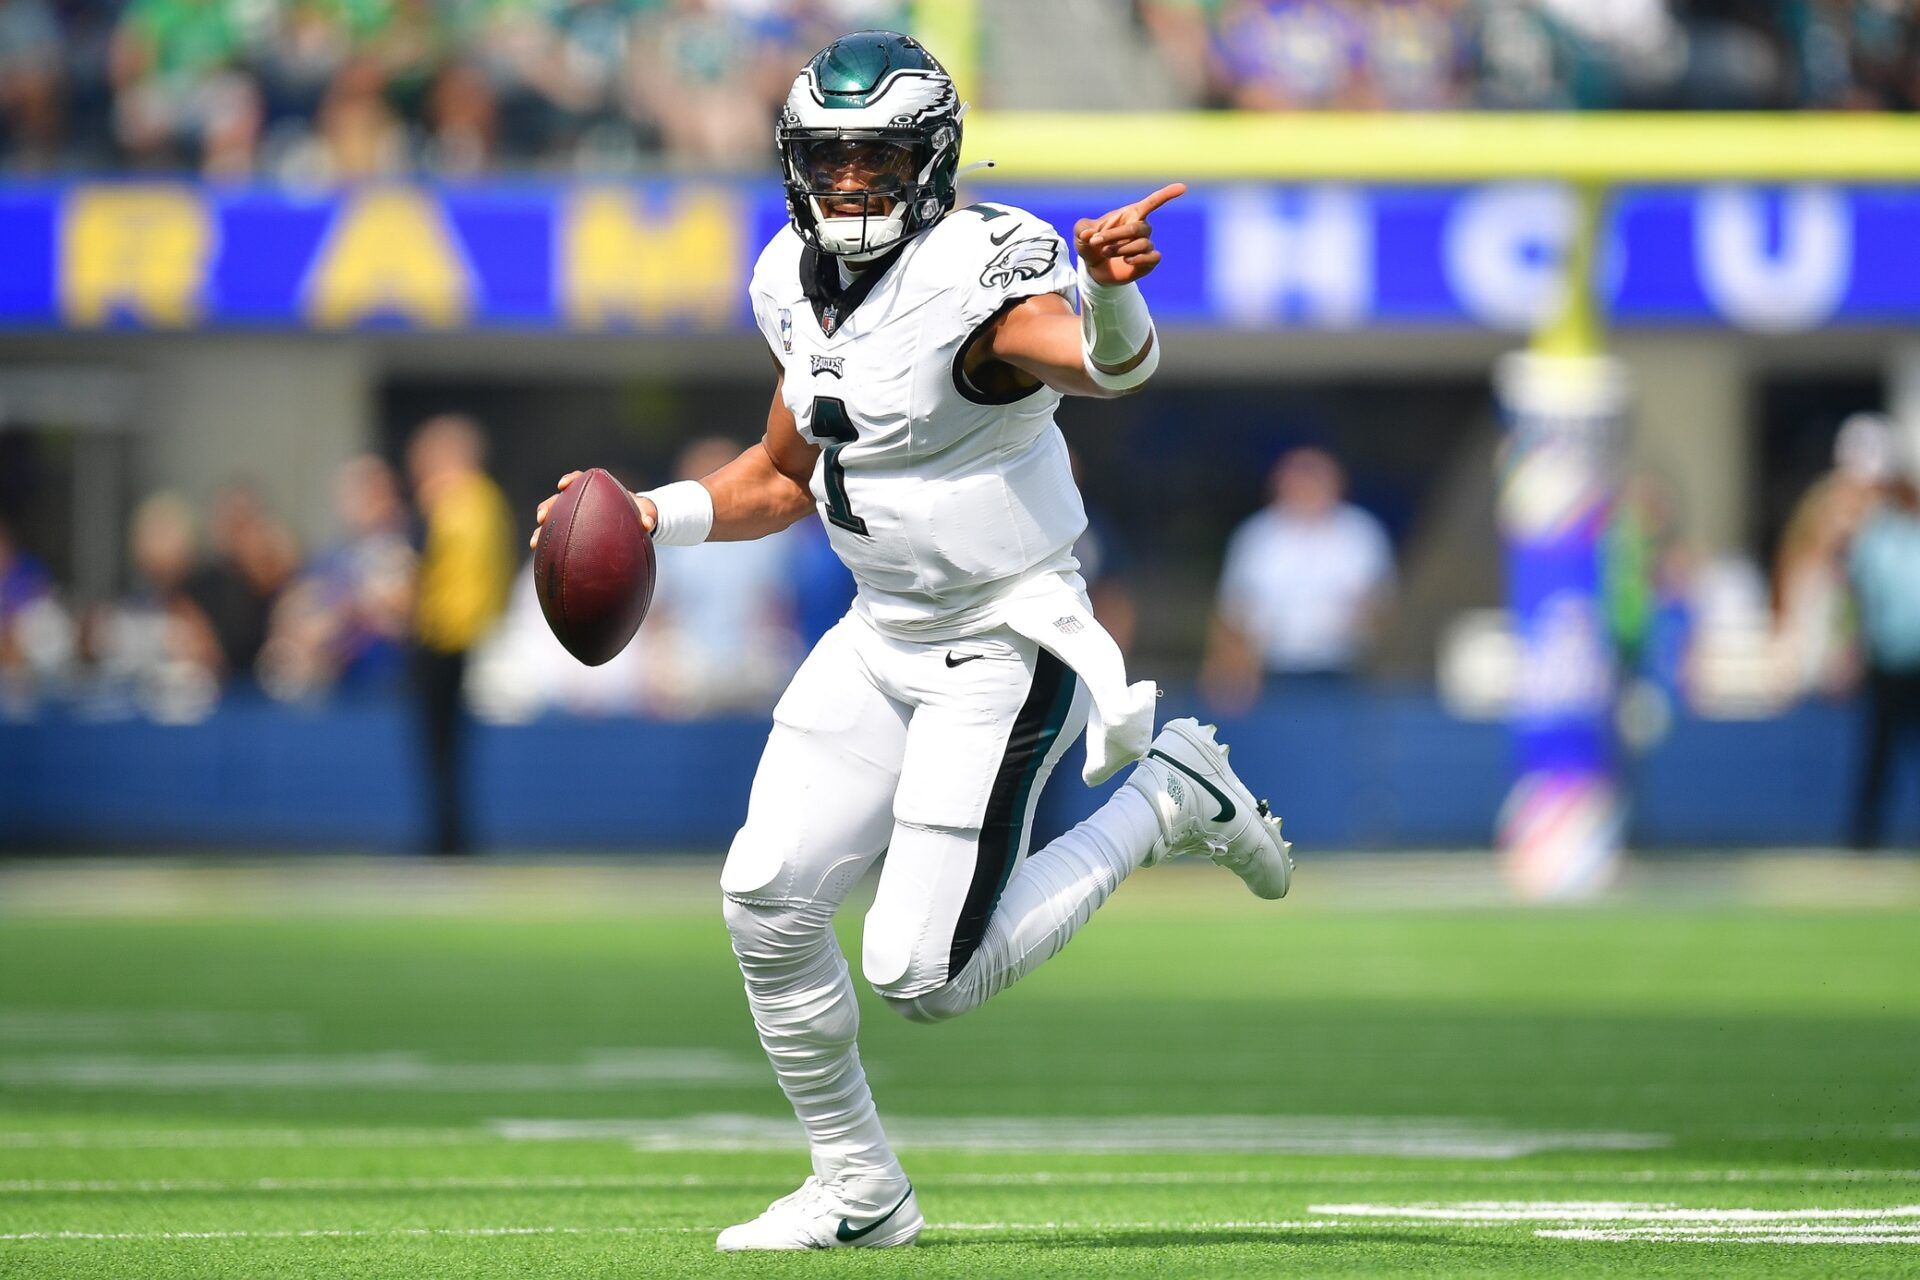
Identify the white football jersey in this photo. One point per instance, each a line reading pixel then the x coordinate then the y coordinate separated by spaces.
pixel 938 497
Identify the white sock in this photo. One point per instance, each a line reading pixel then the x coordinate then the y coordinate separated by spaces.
pixel 804 1009
pixel 1055 891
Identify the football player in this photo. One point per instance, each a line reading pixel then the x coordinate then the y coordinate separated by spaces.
pixel 921 352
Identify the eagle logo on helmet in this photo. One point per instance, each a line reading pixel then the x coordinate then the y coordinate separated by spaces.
pixel 1021 260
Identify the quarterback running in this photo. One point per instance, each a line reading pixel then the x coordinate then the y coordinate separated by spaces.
pixel 921 350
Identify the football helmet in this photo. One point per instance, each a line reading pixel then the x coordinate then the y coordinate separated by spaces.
pixel 869 144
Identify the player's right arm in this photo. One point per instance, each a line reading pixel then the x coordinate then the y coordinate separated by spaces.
pixel 766 488
pixel 762 491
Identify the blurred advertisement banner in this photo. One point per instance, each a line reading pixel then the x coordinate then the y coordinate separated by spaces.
pixel 1561 824
pixel 667 255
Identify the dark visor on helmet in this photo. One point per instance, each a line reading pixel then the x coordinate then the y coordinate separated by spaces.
pixel 854 167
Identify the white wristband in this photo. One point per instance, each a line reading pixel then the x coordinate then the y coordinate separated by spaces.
pixel 684 513
pixel 1118 347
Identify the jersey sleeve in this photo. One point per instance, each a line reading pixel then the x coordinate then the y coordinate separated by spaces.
pixel 1004 254
pixel 766 310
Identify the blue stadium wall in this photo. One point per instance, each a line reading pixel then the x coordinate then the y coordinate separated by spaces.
pixel 1386 770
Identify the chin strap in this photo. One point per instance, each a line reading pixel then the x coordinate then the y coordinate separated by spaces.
pixel 685 513
pixel 1118 347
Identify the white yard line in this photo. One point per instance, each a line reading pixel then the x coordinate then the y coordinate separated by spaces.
pixel 319 1233
pixel 1827 1236
pixel 596 1069
pixel 328 1233
pixel 505 1182
pixel 171 1139
pixel 1389 1136
pixel 1500 1211
pixel 1785 1230
pixel 1620 1222
pixel 1021 1178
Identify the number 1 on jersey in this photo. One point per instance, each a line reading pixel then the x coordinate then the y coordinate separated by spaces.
pixel 830 422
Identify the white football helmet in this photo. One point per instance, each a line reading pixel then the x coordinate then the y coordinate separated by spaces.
pixel 869 144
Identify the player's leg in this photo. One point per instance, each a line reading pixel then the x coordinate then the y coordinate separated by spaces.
pixel 820 812
pixel 961 913
pixel 960 906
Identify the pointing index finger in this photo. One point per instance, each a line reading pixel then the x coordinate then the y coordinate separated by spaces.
pixel 1172 191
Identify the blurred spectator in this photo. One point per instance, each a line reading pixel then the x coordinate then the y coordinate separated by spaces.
pixel 36 639
pixel 1865 54
pixel 31 84
pixel 1812 598
pixel 711 75
pixel 1739 56
pixel 1885 563
pixel 252 558
pixel 343 623
pixel 1182 35
pixel 1294 54
pixel 465 572
pixel 464 119
pixel 1415 54
pixel 521 671
pixel 361 135
pixel 721 634
pixel 1647 576
pixel 157 646
pixel 1289 55
pixel 334 90
pixel 180 84
pixel 1306 581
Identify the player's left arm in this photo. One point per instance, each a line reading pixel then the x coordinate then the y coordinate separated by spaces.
pixel 1110 348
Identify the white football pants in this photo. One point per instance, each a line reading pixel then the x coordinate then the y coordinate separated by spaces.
pixel 934 754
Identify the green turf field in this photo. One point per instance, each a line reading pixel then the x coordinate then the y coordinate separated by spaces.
pixel 426 1083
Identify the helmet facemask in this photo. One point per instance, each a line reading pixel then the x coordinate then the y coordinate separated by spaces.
pixel 859 187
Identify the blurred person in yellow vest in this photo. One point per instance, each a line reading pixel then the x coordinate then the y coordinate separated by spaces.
pixel 466 567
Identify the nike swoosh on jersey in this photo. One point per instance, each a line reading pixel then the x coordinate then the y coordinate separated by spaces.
pixel 1226 806
pixel 847 1232
pixel 952 661
pixel 1004 236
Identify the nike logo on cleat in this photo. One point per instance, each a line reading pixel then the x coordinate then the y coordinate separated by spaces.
pixel 846 1232
pixel 1226 806
pixel 954 661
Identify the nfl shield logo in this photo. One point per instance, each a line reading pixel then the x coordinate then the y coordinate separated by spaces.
pixel 786 330
pixel 829 320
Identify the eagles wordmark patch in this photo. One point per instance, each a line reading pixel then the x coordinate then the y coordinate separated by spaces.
pixel 1021 260
pixel 835 365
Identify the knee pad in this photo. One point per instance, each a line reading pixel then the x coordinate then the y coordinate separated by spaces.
pixel 770 933
pixel 796 977
pixel 935 1006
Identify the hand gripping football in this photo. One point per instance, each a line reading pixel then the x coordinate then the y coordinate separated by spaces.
pixel 593 568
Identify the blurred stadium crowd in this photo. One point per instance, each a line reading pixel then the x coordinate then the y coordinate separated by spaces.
pixel 226 599
pixel 335 90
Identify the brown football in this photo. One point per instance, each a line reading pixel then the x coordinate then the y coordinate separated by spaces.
pixel 593 568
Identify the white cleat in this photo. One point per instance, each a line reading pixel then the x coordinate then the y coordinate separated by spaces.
pixel 814 1217
pixel 1205 809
